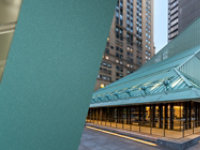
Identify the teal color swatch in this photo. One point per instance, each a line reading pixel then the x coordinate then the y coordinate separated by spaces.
pixel 51 71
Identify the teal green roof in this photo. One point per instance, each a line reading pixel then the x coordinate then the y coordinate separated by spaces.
pixel 172 74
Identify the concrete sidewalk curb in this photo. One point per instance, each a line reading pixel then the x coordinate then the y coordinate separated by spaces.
pixel 180 144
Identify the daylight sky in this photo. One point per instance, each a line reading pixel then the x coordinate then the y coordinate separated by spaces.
pixel 160 23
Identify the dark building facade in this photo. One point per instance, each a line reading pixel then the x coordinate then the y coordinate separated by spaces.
pixel 181 13
pixel 189 11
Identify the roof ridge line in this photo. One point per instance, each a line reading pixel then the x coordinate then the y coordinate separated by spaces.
pixel 195 53
pixel 183 77
pixel 155 73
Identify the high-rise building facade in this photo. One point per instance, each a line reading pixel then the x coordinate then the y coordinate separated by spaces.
pixel 181 13
pixel 173 11
pixel 130 43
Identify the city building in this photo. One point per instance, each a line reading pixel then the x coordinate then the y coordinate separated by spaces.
pixel 130 42
pixel 163 94
pixel 181 13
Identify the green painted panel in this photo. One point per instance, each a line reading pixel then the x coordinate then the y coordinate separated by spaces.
pixel 51 72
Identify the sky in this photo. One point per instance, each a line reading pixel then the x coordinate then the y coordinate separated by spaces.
pixel 160 23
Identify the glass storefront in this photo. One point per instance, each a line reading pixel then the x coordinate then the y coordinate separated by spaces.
pixel 171 116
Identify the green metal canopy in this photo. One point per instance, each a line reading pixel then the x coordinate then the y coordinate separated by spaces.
pixel 171 75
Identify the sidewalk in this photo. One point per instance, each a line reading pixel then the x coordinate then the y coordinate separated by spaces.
pixel 171 143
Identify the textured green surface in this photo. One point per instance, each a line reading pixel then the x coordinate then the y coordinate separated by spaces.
pixel 174 76
pixel 50 73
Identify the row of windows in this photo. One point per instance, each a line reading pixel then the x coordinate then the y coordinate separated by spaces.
pixel 139 3
pixel 139 34
pixel 129 7
pixel 129 49
pixel 148 36
pixel 119 13
pixel 148 20
pixel 129 54
pixel 119 49
pixel 129 60
pixel 129 66
pixel 148 47
pixel 129 38
pixel 129 19
pixel 174 22
pixel 118 60
pixel 148 26
pixel 119 68
pixel 119 74
pixel 119 55
pixel 109 72
pixel 119 21
pixel 104 77
pixel 148 30
pixel 106 64
pixel 174 4
pixel 105 70
pixel 139 42
pixel 119 52
pixel 148 53
pixel 174 10
pixel 172 17
pixel 148 41
pixel 139 19
pixel 119 33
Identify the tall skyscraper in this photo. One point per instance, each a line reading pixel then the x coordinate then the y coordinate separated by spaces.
pixel 173 10
pixel 130 43
pixel 181 13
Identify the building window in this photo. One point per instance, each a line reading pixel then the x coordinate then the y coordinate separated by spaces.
pixel 102 85
pixel 106 57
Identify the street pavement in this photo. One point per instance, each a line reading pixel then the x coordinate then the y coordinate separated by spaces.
pixel 95 140
pixel 195 147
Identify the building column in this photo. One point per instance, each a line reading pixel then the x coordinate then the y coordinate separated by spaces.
pixel 190 115
pixel 128 115
pixel 107 114
pixel 171 116
pixel 100 117
pixel 153 116
pixel 160 116
pixel 196 113
pixel 185 115
pixel 140 114
pixel 118 116
pixel 166 116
